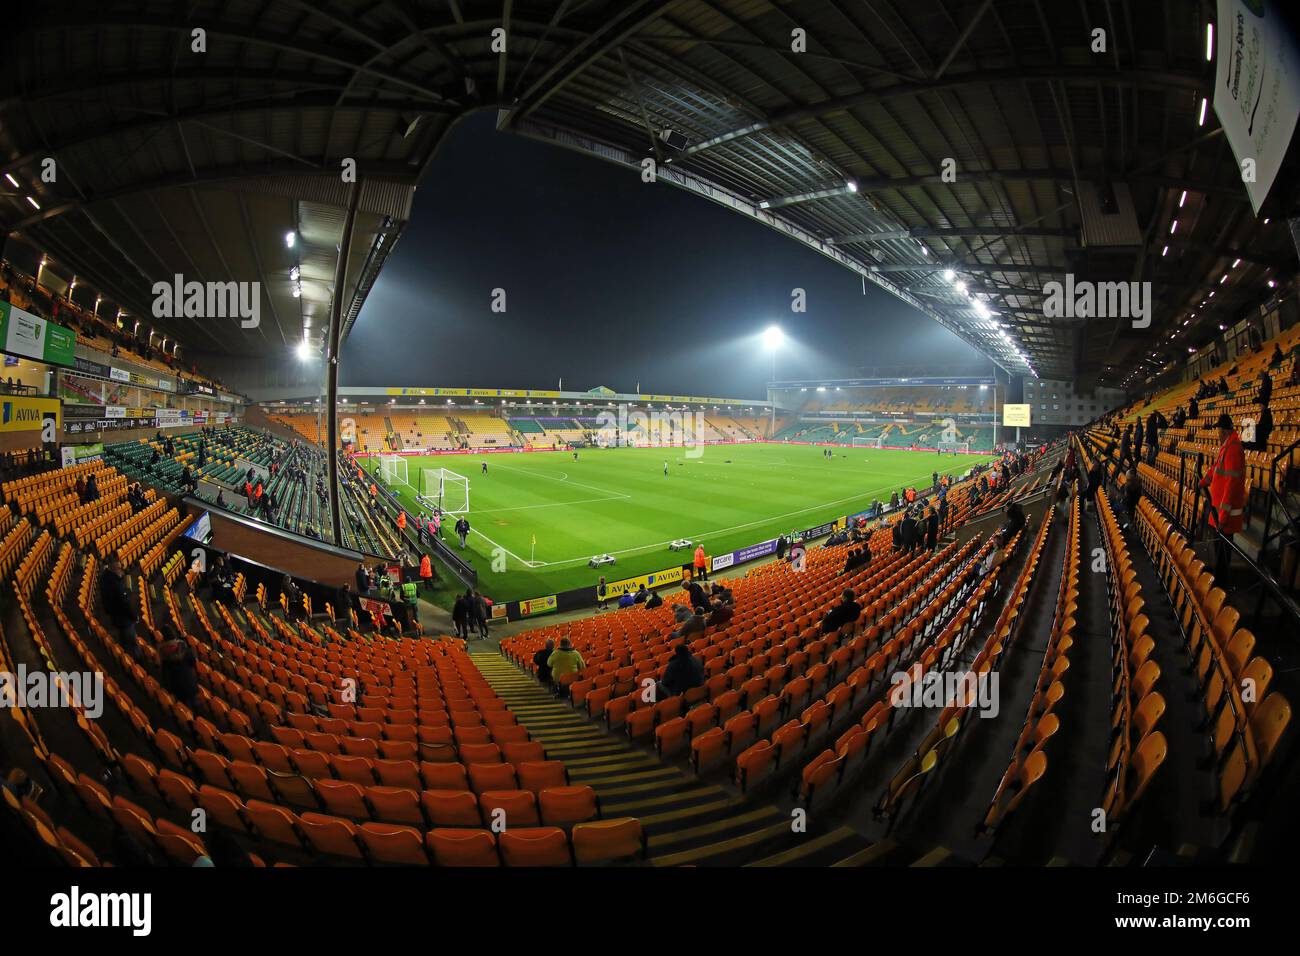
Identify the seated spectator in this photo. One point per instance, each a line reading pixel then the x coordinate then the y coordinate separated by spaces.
pixel 565 660
pixel 846 612
pixel 654 600
pixel 722 613
pixel 180 673
pixel 641 595
pixel 683 672
pixel 542 661
pixel 695 624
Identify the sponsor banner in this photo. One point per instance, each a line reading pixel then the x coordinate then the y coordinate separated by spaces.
pixel 760 550
pixel 667 576
pixel 119 375
pixel 166 385
pixel 721 561
pixel 371 606
pixel 22 333
pixel 821 530
pixel 76 454
pixel 500 612
pixel 172 417
pixel 535 606
pixel 29 414
pixel 91 368
pixel 1257 87
pixel 114 411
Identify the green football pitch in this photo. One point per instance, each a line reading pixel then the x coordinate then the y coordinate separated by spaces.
pixel 619 501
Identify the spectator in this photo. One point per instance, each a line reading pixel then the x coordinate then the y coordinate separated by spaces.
pixel 1132 494
pixel 180 673
pixel 992 561
pixel 460 615
pixel 542 661
pixel 642 595
pixel 293 597
pixel 118 606
pixel 683 673
pixel 695 624
pixel 426 572
pixel 92 490
pixel 1015 523
pixel 482 613
pixel 846 612
pixel 654 600
pixel 1263 428
pixel 721 614
pixel 565 660
pixel 696 592
pixel 701 564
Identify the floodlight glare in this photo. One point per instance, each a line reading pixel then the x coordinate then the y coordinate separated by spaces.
pixel 304 351
pixel 773 337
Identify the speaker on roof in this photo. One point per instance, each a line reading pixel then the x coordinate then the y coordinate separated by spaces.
pixel 673 139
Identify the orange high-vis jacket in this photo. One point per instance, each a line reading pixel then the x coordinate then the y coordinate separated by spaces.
pixel 1226 480
pixel 401 520
pixel 700 559
pixel 426 567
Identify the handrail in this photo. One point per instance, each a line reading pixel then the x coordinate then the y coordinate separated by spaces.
pixel 1274 587
pixel 1273 497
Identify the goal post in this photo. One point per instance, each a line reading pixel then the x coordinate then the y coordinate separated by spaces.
pixel 444 489
pixel 393 470
pixel 955 447
pixel 860 442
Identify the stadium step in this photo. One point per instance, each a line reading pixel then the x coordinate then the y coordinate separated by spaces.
pixel 687 822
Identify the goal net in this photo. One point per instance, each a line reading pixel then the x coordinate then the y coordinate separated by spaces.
pixel 444 489
pixel 861 442
pixel 392 470
pixel 955 447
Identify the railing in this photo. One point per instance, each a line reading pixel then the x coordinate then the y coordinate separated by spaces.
pixel 1273 499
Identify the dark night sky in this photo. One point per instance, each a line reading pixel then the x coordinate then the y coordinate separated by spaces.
pixel 610 281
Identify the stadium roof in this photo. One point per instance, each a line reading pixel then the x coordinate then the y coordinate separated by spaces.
pixel 1065 160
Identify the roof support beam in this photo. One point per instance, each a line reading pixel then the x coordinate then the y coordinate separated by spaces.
pixel 1141 78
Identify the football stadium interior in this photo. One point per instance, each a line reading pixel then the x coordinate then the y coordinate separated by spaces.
pixel 996 566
